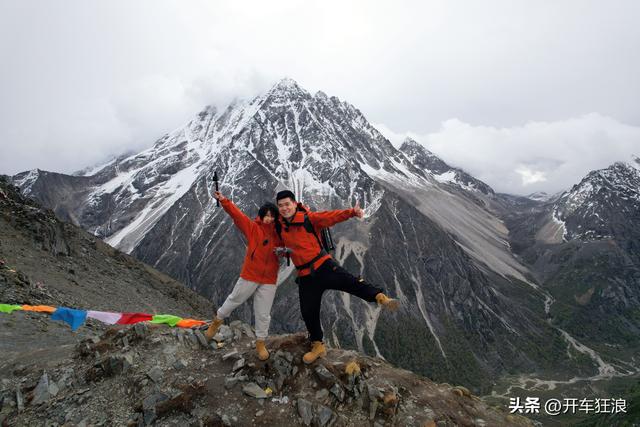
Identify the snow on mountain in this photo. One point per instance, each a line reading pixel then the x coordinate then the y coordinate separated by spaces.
pixel 601 205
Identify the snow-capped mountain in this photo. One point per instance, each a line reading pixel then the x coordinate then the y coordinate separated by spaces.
pixel 441 171
pixel 427 237
pixel 606 203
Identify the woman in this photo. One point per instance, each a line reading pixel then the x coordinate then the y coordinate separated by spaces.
pixel 259 272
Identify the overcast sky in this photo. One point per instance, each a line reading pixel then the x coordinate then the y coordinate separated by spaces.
pixel 526 95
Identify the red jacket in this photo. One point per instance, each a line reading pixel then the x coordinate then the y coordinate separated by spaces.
pixel 260 262
pixel 304 244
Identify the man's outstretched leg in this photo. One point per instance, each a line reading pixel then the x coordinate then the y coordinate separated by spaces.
pixel 340 279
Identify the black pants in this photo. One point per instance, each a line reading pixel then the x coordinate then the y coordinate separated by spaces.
pixel 328 276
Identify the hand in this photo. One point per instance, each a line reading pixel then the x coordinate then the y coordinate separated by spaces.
pixel 357 210
pixel 218 196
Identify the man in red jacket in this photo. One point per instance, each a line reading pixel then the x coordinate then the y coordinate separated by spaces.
pixel 317 270
pixel 259 272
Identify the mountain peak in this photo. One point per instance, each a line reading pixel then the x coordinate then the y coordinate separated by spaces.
pixel 287 85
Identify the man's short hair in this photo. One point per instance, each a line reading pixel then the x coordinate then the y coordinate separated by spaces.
pixel 285 194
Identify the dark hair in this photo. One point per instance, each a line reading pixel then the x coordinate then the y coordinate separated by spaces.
pixel 284 194
pixel 268 207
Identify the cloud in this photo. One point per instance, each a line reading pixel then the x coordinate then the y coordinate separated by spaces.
pixel 82 80
pixel 537 156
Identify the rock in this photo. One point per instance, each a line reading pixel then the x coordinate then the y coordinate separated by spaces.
pixel 238 365
pixel 325 375
pixel 246 329
pixel 140 329
pixel 201 338
pixel 230 382
pixel 155 374
pixel 260 413
pixel 149 414
pixel 338 392
pixel 225 333
pixel 53 388
pixel 373 408
pixel 325 415
pixel 19 400
pixel 231 355
pixel 41 392
pixel 322 394
pixel 116 365
pixel 180 364
pixel 254 390
pixel 305 410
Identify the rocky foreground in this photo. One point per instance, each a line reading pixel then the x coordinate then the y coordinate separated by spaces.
pixel 155 375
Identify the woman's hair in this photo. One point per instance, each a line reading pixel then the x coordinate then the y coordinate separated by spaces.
pixel 268 207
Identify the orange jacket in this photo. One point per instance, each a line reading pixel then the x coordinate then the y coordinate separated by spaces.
pixel 305 245
pixel 260 262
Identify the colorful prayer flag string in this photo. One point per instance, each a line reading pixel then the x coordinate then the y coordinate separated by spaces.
pixel 76 318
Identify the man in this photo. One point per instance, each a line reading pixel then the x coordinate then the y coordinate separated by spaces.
pixel 259 271
pixel 317 270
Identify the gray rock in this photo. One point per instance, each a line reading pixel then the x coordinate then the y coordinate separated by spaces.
pixel 231 355
pixel 246 329
pixel 305 410
pixel 53 388
pixel 230 382
pixel 19 400
pixel 322 394
pixel 237 334
pixel 41 392
pixel 180 364
pixel 226 333
pixel 325 375
pixel 260 413
pixel 238 365
pixel 373 408
pixel 338 392
pixel 155 374
pixel 201 338
pixel 325 415
pixel 140 329
pixel 254 390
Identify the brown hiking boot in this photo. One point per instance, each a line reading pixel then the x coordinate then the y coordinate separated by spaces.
pixel 263 353
pixel 386 302
pixel 317 350
pixel 213 328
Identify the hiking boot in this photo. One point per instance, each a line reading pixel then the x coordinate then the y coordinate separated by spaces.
pixel 386 302
pixel 213 328
pixel 263 353
pixel 317 350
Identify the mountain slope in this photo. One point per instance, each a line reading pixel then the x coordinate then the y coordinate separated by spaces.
pixel 46 261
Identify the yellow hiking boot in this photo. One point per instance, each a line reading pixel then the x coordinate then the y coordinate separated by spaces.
pixel 386 302
pixel 213 328
pixel 317 350
pixel 263 353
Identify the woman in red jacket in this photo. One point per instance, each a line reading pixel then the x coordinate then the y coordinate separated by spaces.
pixel 259 272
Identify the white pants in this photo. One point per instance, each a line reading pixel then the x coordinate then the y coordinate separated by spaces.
pixel 262 300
